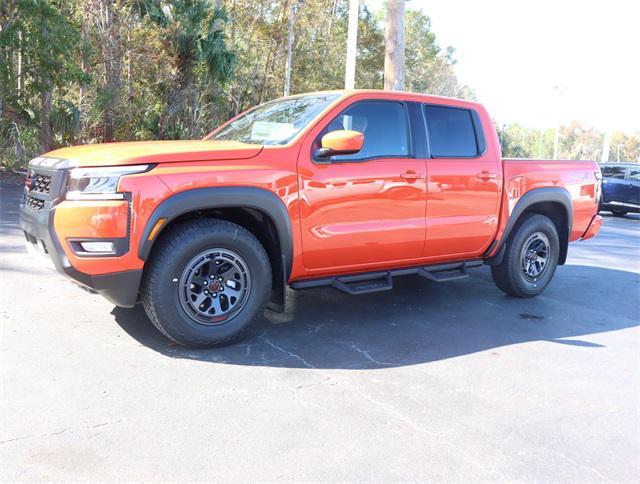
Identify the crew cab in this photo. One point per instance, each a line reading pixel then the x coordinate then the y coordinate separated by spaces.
pixel 348 189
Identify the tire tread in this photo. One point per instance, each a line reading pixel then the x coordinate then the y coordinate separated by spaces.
pixel 506 273
pixel 173 243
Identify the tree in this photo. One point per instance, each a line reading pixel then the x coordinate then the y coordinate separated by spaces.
pixel 625 147
pixel 394 46
pixel 287 69
pixel 579 142
pixel 320 50
pixel 85 71
pixel 193 31
pixel 512 145
pixel 429 69
pixel 575 142
pixel 257 37
pixel 39 46
pixel 105 18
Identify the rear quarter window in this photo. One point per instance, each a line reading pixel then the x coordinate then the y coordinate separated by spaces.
pixel 451 132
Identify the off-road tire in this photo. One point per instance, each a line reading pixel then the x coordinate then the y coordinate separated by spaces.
pixel 510 275
pixel 165 268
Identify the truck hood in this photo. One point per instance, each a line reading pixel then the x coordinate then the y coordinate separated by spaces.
pixel 131 153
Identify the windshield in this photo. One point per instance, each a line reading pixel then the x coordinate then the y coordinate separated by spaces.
pixel 276 122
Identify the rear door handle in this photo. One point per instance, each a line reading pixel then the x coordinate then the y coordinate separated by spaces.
pixel 486 176
pixel 411 175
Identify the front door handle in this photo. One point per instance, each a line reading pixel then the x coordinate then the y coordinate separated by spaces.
pixel 486 176
pixel 411 175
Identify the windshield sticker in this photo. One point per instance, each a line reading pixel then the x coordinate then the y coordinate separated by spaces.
pixel 270 131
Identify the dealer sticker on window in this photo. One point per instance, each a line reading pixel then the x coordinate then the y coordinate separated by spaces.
pixel 270 131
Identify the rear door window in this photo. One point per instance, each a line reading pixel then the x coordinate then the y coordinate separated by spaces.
pixel 634 174
pixel 614 172
pixel 451 132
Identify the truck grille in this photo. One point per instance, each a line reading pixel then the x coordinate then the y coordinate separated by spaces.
pixel 41 183
pixel 43 188
pixel 33 203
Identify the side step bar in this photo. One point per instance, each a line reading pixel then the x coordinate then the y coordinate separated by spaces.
pixel 368 282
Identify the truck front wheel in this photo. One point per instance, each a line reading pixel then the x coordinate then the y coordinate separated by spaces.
pixel 206 282
pixel 531 257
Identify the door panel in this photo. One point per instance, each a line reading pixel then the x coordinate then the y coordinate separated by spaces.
pixel 462 206
pixel 368 209
pixel 464 184
pixel 361 213
pixel 615 190
pixel 614 185
pixel 632 181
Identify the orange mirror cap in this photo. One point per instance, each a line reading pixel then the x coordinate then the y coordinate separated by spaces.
pixel 343 141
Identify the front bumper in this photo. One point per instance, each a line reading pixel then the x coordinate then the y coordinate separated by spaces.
pixel 37 222
pixel 593 229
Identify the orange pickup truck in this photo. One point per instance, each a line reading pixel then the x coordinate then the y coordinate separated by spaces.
pixel 347 189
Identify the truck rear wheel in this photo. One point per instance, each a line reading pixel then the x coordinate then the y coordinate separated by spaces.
pixel 206 282
pixel 531 257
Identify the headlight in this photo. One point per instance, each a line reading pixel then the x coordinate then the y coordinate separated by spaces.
pixel 98 183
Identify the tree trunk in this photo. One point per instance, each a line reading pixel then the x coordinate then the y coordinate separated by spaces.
pixel 287 67
pixel 46 140
pixel 179 100
pixel 20 81
pixel 271 58
pixel 108 26
pixel 394 46
pixel 352 45
pixel 329 29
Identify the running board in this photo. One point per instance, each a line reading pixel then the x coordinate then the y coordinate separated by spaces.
pixel 368 282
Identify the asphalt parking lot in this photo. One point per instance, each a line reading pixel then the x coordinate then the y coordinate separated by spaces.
pixel 452 381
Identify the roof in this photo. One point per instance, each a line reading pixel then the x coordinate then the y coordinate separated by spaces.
pixel 349 92
pixel 626 164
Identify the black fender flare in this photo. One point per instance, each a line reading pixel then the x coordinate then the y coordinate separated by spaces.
pixel 255 198
pixel 558 195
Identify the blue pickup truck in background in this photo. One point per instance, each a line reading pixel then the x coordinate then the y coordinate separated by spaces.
pixel 620 188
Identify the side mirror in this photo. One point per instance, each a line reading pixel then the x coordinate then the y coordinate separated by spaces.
pixel 340 142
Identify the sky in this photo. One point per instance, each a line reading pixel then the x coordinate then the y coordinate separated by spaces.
pixel 544 62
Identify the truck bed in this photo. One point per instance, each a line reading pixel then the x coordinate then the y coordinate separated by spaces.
pixel 578 177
